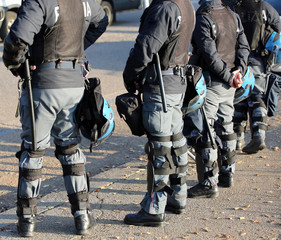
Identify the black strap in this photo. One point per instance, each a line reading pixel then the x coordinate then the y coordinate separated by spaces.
pixel 172 138
pixel 74 169
pixel 178 180
pixel 26 206
pixel 227 157
pixel 259 119
pixel 78 201
pixel 163 187
pixel 30 174
pixel 228 137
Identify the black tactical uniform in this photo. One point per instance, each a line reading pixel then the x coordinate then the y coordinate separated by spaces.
pixel 222 48
pixel 258 18
pixel 56 32
pixel 166 28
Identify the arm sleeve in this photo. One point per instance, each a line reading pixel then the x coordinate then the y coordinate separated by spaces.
pixel 98 24
pixel 160 23
pixel 29 22
pixel 273 18
pixel 243 49
pixel 207 49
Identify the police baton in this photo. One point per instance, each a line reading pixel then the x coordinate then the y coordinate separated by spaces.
pixel 208 127
pixel 27 80
pixel 161 83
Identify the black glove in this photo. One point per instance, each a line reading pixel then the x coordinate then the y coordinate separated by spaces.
pixel 14 55
pixel 129 79
pixel 129 84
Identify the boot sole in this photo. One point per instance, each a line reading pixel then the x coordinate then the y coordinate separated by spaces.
pixel 147 224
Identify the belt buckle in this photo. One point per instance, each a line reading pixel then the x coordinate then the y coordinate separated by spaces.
pixel 176 70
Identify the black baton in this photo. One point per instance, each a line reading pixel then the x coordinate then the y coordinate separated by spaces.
pixel 161 83
pixel 208 127
pixel 31 106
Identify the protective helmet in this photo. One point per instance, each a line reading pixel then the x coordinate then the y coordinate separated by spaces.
pixel 273 44
pixel 195 92
pixel 101 130
pixel 247 87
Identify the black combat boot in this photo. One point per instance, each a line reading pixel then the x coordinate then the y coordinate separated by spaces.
pixel 143 218
pixel 226 179
pixel 256 144
pixel 173 206
pixel 26 226
pixel 203 191
pixel 84 223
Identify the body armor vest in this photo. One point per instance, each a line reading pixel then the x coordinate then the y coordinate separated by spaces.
pixel 64 40
pixel 174 51
pixel 250 12
pixel 225 34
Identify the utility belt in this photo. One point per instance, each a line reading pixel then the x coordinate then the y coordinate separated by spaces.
pixel 61 64
pixel 178 71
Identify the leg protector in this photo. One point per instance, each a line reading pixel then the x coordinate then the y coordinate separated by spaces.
pixel 258 118
pixel 79 201
pixel 227 160
pixel 26 206
pixel 240 117
pixel 165 169
pixel 199 167
pixel 30 172
pixel 210 166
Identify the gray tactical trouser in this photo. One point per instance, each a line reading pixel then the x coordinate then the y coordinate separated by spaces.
pixel 158 123
pixel 54 116
pixel 219 109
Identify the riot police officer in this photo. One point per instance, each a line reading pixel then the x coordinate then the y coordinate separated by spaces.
pixel 166 28
pixel 258 18
pixel 55 33
pixel 222 49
